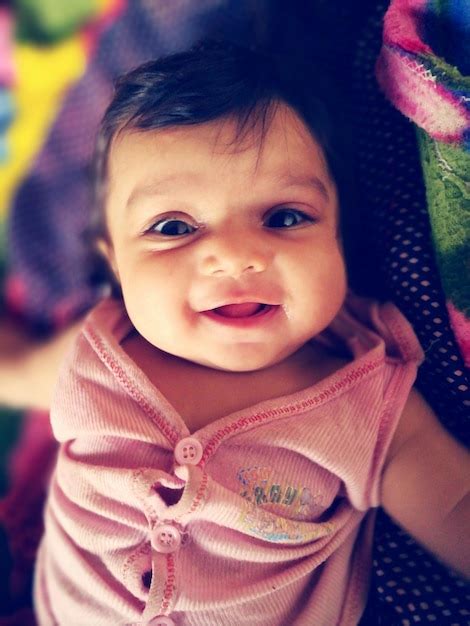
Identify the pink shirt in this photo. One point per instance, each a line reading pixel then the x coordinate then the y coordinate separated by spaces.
pixel 259 518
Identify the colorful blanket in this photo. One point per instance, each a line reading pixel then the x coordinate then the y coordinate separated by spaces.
pixel 421 68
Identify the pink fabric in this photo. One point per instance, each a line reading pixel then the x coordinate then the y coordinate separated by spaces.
pixel 273 519
pixel 400 24
pixel 414 79
pixel 7 63
pixel 406 82
pixel 461 327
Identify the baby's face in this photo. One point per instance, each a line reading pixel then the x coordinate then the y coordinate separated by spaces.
pixel 227 252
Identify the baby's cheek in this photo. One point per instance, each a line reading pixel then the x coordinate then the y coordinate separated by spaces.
pixel 331 264
pixel 332 284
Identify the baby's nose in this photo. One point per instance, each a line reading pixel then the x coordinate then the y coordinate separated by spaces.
pixel 235 256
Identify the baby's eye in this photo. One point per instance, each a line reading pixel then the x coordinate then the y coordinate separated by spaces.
pixel 287 218
pixel 171 227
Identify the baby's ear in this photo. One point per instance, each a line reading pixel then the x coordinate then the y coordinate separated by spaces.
pixel 106 250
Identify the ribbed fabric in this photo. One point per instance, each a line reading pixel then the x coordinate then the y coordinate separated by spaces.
pixel 273 519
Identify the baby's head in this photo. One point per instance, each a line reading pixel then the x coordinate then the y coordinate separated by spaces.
pixel 217 207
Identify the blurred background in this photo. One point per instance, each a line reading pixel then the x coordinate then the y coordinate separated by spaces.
pixel 58 62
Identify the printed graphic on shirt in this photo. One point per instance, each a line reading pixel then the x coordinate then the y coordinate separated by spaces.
pixel 265 525
pixel 275 528
pixel 259 486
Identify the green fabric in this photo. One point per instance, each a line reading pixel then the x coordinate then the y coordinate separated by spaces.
pixel 447 177
pixel 10 427
pixel 10 421
pixel 47 21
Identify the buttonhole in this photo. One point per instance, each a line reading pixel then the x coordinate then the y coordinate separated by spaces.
pixel 168 495
pixel 147 579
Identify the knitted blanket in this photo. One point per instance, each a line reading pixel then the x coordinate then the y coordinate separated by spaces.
pixel 422 69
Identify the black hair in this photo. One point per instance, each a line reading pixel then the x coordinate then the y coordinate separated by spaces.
pixel 216 79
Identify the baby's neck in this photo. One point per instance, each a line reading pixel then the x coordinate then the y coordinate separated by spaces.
pixel 201 394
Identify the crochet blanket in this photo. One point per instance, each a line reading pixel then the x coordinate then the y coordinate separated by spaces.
pixel 421 69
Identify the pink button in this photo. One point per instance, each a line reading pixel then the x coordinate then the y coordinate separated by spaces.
pixel 162 620
pixel 166 538
pixel 188 451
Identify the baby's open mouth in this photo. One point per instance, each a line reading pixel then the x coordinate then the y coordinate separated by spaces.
pixel 245 309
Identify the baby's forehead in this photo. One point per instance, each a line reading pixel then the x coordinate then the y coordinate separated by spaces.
pixel 275 144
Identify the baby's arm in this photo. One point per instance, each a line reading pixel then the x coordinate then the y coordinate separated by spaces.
pixel 28 366
pixel 426 484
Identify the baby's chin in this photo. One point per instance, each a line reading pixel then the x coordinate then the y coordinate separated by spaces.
pixel 244 360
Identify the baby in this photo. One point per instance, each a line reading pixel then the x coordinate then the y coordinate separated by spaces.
pixel 230 417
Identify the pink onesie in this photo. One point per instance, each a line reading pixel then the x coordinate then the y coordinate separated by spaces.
pixel 259 518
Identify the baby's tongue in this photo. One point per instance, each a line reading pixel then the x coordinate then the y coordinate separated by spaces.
pixel 239 310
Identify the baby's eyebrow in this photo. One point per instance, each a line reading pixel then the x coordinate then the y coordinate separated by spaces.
pixel 301 180
pixel 160 186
